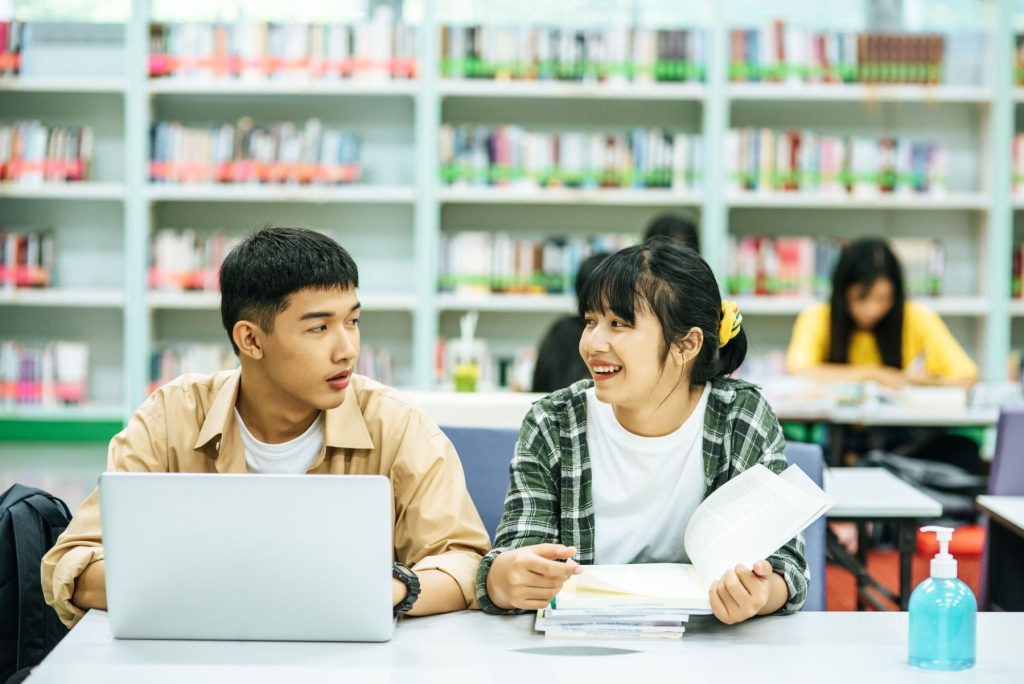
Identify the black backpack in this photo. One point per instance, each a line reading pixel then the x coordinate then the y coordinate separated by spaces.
pixel 30 522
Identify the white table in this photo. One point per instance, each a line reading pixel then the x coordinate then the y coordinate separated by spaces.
pixel 473 647
pixel 1005 564
pixel 875 494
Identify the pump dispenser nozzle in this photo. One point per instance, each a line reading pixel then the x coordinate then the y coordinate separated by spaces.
pixel 943 564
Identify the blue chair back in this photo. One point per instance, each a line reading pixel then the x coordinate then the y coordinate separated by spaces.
pixel 485 454
pixel 1006 476
pixel 810 460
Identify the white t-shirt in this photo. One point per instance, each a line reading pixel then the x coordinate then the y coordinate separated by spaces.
pixel 645 488
pixel 293 457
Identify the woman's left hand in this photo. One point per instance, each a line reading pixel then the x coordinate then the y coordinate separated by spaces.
pixel 741 593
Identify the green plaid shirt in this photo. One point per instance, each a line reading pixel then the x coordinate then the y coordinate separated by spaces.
pixel 550 498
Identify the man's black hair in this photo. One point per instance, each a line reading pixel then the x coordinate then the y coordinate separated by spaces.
pixel 259 275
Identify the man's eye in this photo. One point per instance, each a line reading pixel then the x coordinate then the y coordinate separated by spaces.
pixel 319 328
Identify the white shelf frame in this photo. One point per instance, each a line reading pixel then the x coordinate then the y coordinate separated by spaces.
pixel 69 86
pixel 450 88
pixel 63 298
pixel 304 194
pixel 507 303
pixel 717 97
pixel 233 88
pixel 102 191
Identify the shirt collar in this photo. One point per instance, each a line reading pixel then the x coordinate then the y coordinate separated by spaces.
pixel 344 426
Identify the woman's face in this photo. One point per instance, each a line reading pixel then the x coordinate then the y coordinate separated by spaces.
pixel 625 360
pixel 869 305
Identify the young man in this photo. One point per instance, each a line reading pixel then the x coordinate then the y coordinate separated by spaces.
pixel 290 308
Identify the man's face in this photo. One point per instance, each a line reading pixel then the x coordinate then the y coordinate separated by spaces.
pixel 312 351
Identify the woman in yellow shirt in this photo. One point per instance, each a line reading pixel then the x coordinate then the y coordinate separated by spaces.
pixel 871 332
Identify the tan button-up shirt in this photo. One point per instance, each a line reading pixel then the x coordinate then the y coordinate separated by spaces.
pixel 188 426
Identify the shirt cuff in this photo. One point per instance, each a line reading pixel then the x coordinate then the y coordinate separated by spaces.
pixel 486 604
pixel 796 584
pixel 460 566
pixel 61 587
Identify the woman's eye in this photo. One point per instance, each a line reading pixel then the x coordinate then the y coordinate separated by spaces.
pixel 588 321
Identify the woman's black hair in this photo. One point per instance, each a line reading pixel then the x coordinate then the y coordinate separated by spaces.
pixel 861 264
pixel 677 286
pixel 680 229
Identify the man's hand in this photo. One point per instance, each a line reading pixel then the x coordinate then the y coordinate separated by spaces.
pixel 742 593
pixel 528 578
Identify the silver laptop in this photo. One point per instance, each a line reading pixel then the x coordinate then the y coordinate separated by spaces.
pixel 261 557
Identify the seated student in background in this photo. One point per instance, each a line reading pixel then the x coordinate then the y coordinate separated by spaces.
pixel 290 308
pixel 610 470
pixel 870 331
pixel 558 360
pixel 678 229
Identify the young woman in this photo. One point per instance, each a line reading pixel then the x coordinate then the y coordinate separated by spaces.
pixel 870 331
pixel 610 470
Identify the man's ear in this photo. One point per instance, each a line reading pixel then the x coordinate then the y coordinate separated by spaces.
pixel 248 337
pixel 688 348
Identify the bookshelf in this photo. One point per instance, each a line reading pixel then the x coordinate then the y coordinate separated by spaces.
pixel 393 222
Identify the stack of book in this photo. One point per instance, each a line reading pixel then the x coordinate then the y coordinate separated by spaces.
pixel 26 258
pixel 745 520
pixel 764 265
pixel 613 55
pixel 800 160
pixel 483 262
pixel 510 155
pixel 787 53
pixel 54 374
pixel 247 153
pixel 182 260
pixel 376 49
pixel 31 152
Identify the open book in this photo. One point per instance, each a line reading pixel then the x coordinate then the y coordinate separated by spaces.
pixel 745 520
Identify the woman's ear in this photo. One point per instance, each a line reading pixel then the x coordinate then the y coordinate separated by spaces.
pixel 688 348
pixel 246 335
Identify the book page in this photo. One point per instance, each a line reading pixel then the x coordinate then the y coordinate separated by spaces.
pixel 749 518
pixel 653 580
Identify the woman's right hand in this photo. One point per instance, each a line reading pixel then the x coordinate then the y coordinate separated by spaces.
pixel 528 578
pixel 887 376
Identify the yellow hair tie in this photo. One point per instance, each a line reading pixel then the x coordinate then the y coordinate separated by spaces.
pixel 732 320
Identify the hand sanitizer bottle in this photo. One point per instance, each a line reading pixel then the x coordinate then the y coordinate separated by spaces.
pixel 943 613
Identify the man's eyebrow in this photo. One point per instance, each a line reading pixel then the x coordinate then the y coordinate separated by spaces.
pixel 327 314
pixel 316 314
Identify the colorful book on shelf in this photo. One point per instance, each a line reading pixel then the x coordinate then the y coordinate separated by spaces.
pixel 378 48
pixel 612 55
pixel 511 156
pixel 763 160
pixel 249 154
pixel 53 375
pixel 26 258
pixel 746 520
pixel 485 262
pixel 184 260
pixel 781 52
pixel 33 153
